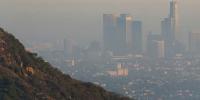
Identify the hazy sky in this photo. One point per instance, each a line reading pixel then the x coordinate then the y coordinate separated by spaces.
pixel 82 19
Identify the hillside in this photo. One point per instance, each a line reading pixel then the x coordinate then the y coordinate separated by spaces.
pixel 25 76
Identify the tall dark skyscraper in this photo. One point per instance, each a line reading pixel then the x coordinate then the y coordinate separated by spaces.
pixel 173 16
pixel 109 31
pixel 137 39
pixel 168 37
pixel 123 32
pixel 170 30
pixel 170 24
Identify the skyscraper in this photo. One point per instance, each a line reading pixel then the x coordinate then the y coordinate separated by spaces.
pixel 137 37
pixel 170 24
pixel 173 16
pixel 129 20
pixel 109 31
pixel 124 32
pixel 170 30
pixel 168 37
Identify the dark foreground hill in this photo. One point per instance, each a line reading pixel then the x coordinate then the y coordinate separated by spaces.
pixel 25 76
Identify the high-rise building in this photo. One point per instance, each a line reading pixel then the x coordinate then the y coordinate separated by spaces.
pixel 137 39
pixel 129 20
pixel 166 30
pixel 170 24
pixel 168 37
pixel 174 19
pixel 123 32
pixel 109 31
pixel 170 31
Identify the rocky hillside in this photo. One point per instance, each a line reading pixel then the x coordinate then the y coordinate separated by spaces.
pixel 25 76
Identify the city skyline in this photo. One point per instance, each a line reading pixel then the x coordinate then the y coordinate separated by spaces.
pixel 123 35
pixel 31 17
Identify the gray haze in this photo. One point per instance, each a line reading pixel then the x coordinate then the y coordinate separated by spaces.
pixel 43 20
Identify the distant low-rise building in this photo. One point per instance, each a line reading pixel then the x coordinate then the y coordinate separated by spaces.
pixel 121 71
pixel 155 46
pixel 194 43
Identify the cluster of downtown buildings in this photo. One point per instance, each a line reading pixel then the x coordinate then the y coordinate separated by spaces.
pixel 124 38
pixel 122 35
